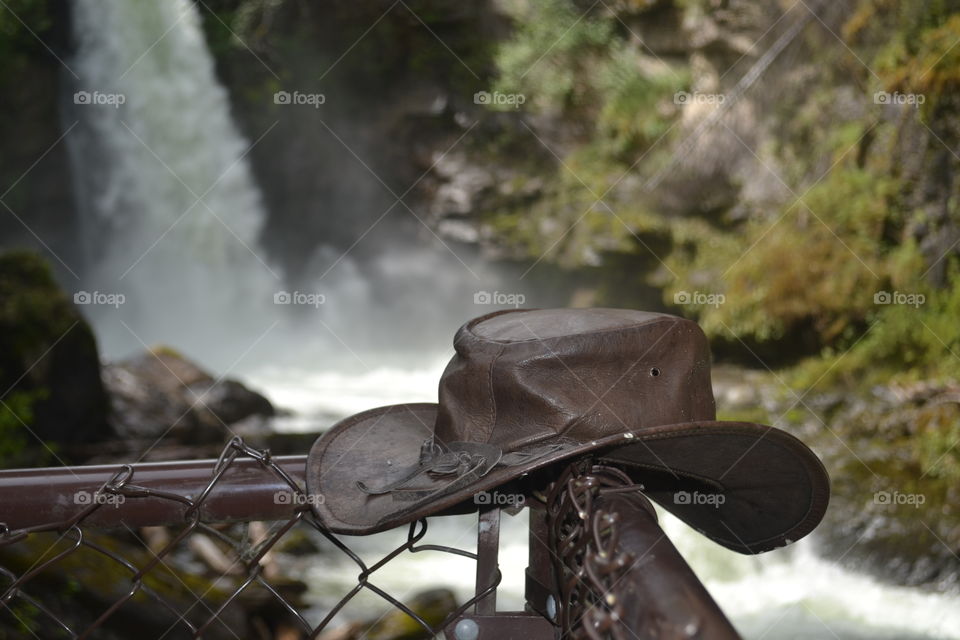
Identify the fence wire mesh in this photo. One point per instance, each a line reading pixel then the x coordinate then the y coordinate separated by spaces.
pixel 217 572
pixel 46 571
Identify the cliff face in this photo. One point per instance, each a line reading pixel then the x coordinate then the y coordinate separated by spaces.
pixel 728 148
pixel 374 93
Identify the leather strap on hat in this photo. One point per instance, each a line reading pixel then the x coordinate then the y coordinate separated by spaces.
pixel 459 460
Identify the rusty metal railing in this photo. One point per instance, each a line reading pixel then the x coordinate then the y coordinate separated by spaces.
pixel 64 507
pixel 617 573
pixel 600 567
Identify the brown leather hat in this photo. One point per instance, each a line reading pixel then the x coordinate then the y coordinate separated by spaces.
pixel 529 388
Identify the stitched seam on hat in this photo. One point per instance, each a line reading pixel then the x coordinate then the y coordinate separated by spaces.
pixel 469 327
pixel 493 396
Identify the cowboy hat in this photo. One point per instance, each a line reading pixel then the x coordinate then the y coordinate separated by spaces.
pixel 529 388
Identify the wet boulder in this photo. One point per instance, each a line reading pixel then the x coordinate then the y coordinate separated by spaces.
pixel 162 392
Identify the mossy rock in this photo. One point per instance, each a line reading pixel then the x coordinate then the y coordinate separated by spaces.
pixel 895 504
pixel 83 584
pixel 48 357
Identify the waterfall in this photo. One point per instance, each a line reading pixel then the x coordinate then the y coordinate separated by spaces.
pixel 170 214
pixel 171 218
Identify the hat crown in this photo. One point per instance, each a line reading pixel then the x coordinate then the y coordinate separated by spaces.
pixel 524 376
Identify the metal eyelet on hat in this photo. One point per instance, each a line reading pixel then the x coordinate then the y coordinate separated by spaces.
pixel 655 371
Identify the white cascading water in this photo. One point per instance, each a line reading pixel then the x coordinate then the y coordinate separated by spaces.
pixel 169 210
pixel 171 216
pixel 787 594
pixel 193 275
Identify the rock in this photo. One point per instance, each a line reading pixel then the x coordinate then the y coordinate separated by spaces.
pixel 230 401
pixel 160 391
pixel 463 184
pixel 49 368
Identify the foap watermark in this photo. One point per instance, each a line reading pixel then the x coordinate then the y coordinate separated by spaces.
pixel 99 298
pixel 684 98
pixel 697 498
pixel 87 498
pixel 899 297
pixel 499 298
pixel 304 298
pixel 699 298
pixel 884 97
pixel 298 499
pixel 498 99
pixel 895 498
pixel 99 98
pixel 498 499
pixel 296 97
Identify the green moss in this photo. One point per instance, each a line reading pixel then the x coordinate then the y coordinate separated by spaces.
pixel 815 264
pixel 565 62
pixel 904 343
pixel 33 311
pixel 33 306
pixel 906 448
pixel 637 103
pixel 15 412
pixel 87 581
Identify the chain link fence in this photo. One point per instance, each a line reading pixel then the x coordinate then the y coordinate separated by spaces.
pixel 195 549
pixel 48 570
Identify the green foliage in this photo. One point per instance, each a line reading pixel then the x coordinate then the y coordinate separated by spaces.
pixel 636 108
pixel 582 69
pixel 816 263
pixel 569 223
pixel 904 343
pixel 15 412
pixel 551 55
pixel 33 311
pixel 912 45
pixel 32 306
pixel 18 18
pixel 800 277
pixel 579 66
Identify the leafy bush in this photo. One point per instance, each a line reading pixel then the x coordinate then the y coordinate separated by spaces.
pixel 817 263
pixel 904 343
pixel 551 54
pixel 579 66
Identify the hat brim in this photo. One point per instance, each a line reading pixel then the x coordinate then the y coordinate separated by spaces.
pixel 746 486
